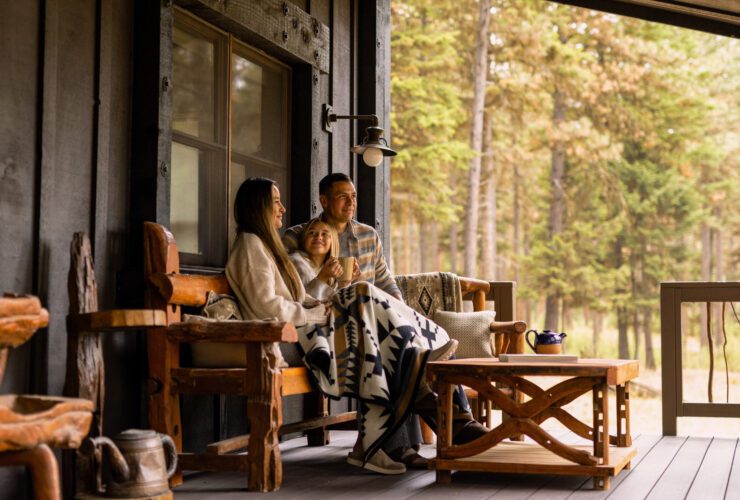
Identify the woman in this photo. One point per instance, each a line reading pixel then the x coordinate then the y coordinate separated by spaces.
pixel 317 260
pixel 363 343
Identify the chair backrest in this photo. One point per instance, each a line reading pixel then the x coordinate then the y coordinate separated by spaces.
pixel 162 270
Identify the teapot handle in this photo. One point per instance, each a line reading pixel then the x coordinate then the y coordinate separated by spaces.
pixel 170 453
pixel 526 337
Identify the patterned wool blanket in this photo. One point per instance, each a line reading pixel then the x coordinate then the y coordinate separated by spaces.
pixel 429 292
pixel 374 349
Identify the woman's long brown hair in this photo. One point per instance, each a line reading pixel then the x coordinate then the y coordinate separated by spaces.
pixel 253 212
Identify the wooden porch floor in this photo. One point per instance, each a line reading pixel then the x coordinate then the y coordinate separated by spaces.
pixel 665 468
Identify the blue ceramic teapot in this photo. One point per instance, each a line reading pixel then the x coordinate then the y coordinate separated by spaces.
pixel 547 342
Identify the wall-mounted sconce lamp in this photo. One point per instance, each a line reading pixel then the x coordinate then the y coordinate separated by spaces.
pixel 373 146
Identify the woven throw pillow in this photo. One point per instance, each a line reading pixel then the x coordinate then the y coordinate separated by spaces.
pixel 221 307
pixel 472 330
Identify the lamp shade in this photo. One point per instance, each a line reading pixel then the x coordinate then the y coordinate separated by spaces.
pixel 373 140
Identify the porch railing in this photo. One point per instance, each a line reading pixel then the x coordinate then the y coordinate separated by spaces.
pixel 672 295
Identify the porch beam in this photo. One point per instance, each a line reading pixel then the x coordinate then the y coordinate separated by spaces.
pixel 721 17
pixel 276 26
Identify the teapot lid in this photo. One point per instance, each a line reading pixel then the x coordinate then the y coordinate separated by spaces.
pixel 135 434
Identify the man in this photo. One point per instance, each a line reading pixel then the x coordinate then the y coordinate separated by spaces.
pixel 338 198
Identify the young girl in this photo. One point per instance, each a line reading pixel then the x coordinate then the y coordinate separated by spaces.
pixel 317 260
pixel 365 344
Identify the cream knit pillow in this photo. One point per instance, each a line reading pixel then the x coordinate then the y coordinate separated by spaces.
pixel 472 330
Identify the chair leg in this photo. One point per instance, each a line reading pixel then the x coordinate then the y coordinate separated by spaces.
pixel 320 406
pixel 265 414
pixel 164 404
pixel 44 470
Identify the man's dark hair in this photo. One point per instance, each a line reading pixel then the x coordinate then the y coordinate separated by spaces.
pixel 327 182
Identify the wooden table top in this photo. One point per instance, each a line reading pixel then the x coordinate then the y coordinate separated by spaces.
pixel 616 371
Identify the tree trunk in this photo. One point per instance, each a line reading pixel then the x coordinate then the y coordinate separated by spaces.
pixel 406 246
pixel 415 263
pixel 598 326
pixel 622 328
pixel 429 245
pixel 488 250
pixel 706 275
pixel 453 247
pixel 425 258
pixel 635 278
pixel 567 315
pixel 526 244
pixel 517 248
pixel 648 332
pixel 480 72
pixel 557 205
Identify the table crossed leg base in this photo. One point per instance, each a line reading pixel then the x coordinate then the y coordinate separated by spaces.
pixel 525 418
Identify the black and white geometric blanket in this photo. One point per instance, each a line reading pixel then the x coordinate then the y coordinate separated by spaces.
pixel 374 349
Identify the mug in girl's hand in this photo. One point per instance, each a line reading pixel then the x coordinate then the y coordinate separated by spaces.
pixel 348 264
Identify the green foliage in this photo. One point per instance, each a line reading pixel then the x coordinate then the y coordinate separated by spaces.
pixel 651 136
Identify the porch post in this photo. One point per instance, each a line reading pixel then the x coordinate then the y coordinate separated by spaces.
pixel 374 97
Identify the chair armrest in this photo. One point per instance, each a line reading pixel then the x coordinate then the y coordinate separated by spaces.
pixel 507 337
pixel 188 289
pixel 237 332
pixel 508 327
pixel 116 320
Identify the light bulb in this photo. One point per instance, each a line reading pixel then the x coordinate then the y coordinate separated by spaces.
pixel 372 157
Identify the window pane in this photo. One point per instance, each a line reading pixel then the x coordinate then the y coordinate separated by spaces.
pixel 198 204
pixel 194 86
pixel 184 190
pixel 258 94
pixel 240 171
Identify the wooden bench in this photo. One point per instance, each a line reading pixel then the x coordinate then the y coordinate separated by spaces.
pixel 262 381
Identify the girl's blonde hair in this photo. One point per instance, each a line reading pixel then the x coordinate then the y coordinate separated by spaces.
pixel 333 248
pixel 253 212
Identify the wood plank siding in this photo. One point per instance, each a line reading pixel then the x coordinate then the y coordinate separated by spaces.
pixel 64 167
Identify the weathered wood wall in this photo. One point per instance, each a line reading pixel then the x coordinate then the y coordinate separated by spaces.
pixel 64 156
pixel 84 146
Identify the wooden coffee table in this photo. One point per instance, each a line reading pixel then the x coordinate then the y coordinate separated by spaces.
pixel 548 455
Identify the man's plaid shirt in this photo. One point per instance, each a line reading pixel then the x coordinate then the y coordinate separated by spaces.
pixel 365 246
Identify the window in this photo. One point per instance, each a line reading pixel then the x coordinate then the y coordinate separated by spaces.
pixel 230 121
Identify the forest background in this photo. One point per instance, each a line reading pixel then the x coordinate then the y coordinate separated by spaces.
pixel 586 156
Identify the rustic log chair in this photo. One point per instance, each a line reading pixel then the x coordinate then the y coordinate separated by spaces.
pixel 263 381
pixel 30 425
pixel 507 336
pixel 85 374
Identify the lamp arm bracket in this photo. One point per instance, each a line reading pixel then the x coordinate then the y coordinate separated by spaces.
pixel 329 117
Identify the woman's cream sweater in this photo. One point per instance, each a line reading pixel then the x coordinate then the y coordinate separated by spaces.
pixel 262 293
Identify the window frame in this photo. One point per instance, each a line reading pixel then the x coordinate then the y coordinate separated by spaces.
pixel 225 46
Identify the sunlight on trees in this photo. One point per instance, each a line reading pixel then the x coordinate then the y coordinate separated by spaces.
pixel 610 160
